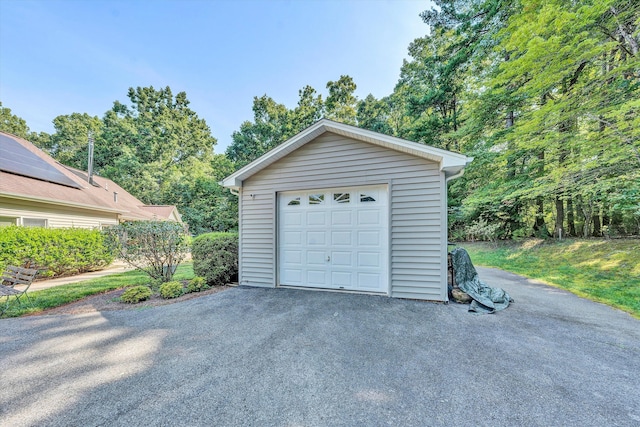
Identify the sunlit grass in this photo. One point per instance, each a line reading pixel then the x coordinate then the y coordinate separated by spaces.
pixel 64 294
pixel 606 271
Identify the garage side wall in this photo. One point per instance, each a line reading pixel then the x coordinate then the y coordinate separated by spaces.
pixel 330 161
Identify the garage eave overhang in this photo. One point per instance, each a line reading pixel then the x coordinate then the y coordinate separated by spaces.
pixel 450 163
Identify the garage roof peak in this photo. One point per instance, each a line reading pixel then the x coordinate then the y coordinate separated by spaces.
pixel 450 163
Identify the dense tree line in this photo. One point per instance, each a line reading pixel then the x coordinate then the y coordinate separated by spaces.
pixel 156 148
pixel 544 94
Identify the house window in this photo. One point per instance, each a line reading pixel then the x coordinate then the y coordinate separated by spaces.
pixel 366 198
pixel 34 222
pixel 294 202
pixel 316 199
pixel 6 221
pixel 341 197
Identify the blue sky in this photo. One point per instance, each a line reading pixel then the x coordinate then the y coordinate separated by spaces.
pixel 60 57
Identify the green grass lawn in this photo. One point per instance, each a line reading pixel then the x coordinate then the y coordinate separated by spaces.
pixel 606 271
pixel 64 294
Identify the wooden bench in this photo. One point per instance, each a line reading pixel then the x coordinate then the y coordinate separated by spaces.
pixel 15 282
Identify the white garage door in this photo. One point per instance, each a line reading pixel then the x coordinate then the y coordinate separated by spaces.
pixel 334 238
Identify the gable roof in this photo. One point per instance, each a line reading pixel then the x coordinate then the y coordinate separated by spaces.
pixel 450 163
pixel 70 188
pixel 163 211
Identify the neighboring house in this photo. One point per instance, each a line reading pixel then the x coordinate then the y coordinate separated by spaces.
pixel 342 208
pixel 163 212
pixel 36 190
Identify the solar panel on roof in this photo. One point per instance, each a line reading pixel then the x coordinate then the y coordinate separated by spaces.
pixel 16 159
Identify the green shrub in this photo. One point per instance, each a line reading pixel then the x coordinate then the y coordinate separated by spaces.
pixel 54 251
pixel 197 284
pixel 483 231
pixel 215 257
pixel 171 290
pixel 155 247
pixel 136 294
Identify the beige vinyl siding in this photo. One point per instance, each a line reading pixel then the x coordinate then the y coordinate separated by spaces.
pixel 417 231
pixel 56 216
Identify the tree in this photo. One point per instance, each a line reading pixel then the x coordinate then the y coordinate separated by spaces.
pixel 581 88
pixel 309 110
pixel 69 143
pixel 341 102
pixel 272 124
pixel 154 143
pixel 203 203
pixel 374 114
pixel 12 124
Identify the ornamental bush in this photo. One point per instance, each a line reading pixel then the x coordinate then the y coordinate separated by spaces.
pixel 171 290
pixel 215 257
pixel 154 247
pixel 54 251
pixel 136 294
pixel 197 284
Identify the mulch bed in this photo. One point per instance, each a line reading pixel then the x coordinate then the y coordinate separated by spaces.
pixel 110 301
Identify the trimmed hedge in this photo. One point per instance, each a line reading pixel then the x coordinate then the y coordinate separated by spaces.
pixel 215 257
pixel 54 251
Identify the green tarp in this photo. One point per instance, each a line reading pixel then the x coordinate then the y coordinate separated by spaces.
pixel 485 299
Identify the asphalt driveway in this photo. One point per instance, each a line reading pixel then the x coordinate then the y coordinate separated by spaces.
pixel 301 358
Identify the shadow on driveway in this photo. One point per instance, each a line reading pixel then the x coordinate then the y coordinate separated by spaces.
pixel 289 357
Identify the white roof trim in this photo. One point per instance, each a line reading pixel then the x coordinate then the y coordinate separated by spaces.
pixel 450 163
pixel 61 203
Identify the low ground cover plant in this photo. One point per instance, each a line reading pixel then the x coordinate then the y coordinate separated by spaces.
pixel 215 257
pixel 136 294
pixel 171 289
pixel 197 284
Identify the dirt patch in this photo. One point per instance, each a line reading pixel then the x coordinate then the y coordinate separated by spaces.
pixel 110 301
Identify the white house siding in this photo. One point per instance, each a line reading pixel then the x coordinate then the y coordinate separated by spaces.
pixel 417 218
pixel 56 216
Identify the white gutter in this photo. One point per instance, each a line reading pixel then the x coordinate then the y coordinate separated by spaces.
pixel 458 175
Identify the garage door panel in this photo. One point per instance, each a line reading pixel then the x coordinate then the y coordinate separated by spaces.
pixel 292 218
pixel 369 280
pixel 316 258
pixel 292 257
pixel 292 238
pixel 342 259
pixel 341 278
pixel 316 238
pixel 369 217
pixel 316 219
pixel 292 276
pixel 317 277
pixel 341 238
pixel 369 260
pixel 369 238
pixel 342 217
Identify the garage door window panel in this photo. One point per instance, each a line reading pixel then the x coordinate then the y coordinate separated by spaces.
pixel 295 201
pixel 341 198
pixel 316 199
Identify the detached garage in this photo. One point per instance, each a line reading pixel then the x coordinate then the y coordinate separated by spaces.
pixel 342 208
